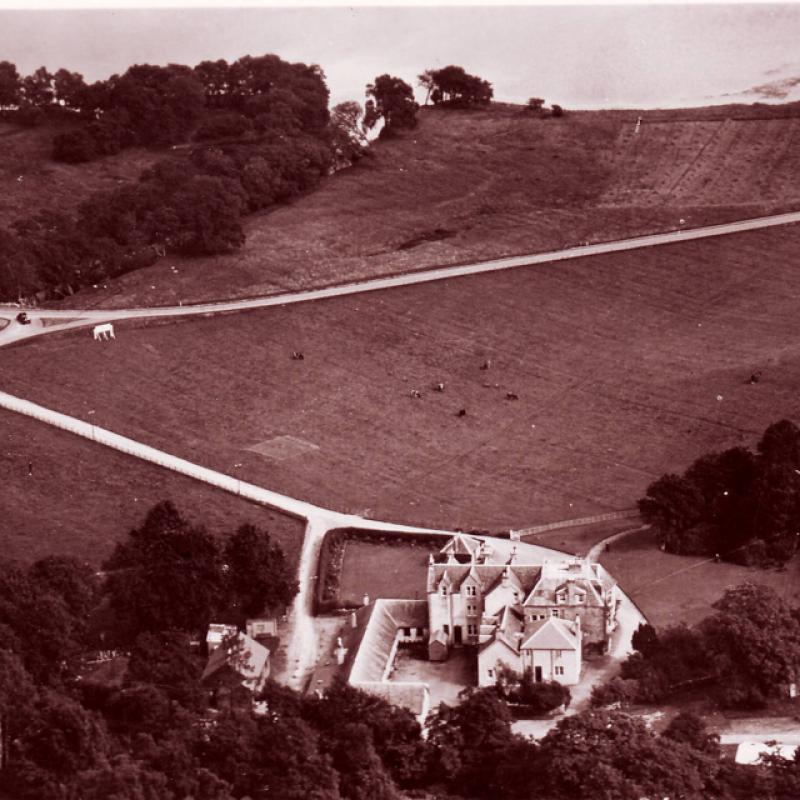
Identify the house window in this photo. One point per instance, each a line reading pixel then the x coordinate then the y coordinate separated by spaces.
pixel 490 673
pixel 559 670
pixel 555 612
pixel 406 631
pixel 446 629
pixel 516 596
pixel 472 630
pixel 471 591
pixel 472 609
pixel 444 589
pixel 561 598
pixel 579 598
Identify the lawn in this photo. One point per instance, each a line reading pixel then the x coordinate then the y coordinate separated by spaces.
pixel 472 185
pixel 672 589
pixel 83 498
pixel 383 570
pixel 618 361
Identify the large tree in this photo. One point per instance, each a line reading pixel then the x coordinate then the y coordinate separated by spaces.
pixel 393 100
pixel 260 579
pixel 454 86
pixel 10 85
pixel 166 575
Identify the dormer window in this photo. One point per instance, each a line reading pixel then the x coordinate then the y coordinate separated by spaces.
pixel 471 591
pixel 579 598
pixel 444 589
pixel 561 597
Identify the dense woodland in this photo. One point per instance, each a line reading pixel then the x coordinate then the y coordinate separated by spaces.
pixel 736 505
pixel 149 731
pixel 238 138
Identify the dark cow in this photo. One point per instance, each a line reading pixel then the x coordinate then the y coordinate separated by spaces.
pixel 462 412
pixel 297 355
pixel 512 396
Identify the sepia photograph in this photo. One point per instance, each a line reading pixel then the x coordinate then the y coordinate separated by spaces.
pixel 399 400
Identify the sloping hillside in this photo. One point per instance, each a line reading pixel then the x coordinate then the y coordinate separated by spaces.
pixel 30 180
pixel 465 186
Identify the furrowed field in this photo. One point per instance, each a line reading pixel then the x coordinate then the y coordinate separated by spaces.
pixel 626 366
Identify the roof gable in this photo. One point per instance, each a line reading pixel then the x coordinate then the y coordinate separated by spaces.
pixel 552 634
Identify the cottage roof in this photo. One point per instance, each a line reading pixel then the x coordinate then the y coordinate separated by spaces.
pixel 551 634
pixel 386 617
pixel 242 654
pixel 411 696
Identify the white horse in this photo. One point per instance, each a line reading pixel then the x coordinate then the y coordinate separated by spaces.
pixel 103 332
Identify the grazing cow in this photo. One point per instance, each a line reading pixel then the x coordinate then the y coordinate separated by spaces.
pixel 297 355
pixel 462 412
pixel 512 396
pixel 755 377
pixel 486 364
pixel 439 387
pixel 416 394
pixel 103 332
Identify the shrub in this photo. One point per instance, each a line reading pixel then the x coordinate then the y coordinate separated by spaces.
pixel 618 690
pixel 556 110
pixel 74 147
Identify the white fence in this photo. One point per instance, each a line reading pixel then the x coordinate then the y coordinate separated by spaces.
pixel 628 513
pixel 131 447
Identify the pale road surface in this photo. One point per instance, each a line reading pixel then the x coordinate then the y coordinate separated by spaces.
pixel 301 649
pixel 81 318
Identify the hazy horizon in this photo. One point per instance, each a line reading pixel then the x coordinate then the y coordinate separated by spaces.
pixel 580 57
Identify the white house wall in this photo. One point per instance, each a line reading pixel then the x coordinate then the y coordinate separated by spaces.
pixel 488 659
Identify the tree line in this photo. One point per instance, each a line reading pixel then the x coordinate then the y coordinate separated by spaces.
pixel 739 505
pixel 260 132
pixel 149 732
pixel 746 654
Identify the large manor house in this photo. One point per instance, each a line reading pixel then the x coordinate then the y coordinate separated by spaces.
pixel 519 614
pixel 491 597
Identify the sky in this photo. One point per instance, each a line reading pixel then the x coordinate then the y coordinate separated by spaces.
pixel 579 57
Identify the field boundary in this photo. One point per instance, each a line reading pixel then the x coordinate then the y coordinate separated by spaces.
pixel 627 513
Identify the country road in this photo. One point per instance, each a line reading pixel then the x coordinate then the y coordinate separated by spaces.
pixel 76 318
pixel 301 650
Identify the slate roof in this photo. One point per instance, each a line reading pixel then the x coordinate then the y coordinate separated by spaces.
pixel 551 634
pixel 243 655
pixel 386 617
pixel 570 577
pixel 487 575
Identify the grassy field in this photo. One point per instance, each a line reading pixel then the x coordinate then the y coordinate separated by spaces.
pixel 618 362
pixel 472 185
pixel 83 498
pixel 30 180
pixel 578 539
pixel 671 589
pixel 383 570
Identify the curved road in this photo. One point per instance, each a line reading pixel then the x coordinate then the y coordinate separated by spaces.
pixel 81 318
